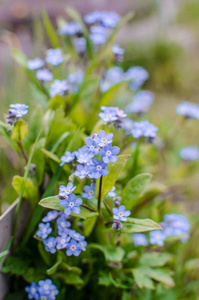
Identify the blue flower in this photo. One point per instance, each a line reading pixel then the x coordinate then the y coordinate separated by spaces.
pixel 80 45
pixel 89 191
pixel 35 63
pixel 98 35
pixel 18 110
pixel 62 241
pixel 109 114
pixel 71 204
pixel 107 19
pixel 109 153
pixel 82 171
pixel 82 245
pixel 32 291
pixel 44 230
pixel 142 100
pixel 117 225
pixel 58 87
pixel 54 57
pixel 120 213
pixel 111 193
pixel 144 129
pixel 75 79
pixel 114 75
pixel 63 225
pixel 64 191
pixel 71 28
pixel 188 110
pixel 51 215
pixel 73 248
pixel 140 239
pixel 127 125
pixel 117 50
pixel 91 147
pixel 157 237
pixel 176 224
pixel 47 288
pixel 82 156
pixel 76 235
pixel 103 139
pixel 137 75
pixel 44 75
pixel 67 158
pixel 98 168
pixel 189 153
pixel 50 244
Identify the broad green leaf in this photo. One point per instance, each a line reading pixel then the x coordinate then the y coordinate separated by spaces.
pixel 20 130
pixel 133 189
pixel 191 264
pixel 57 126
pixel 89 225
pixel 46 256
pixel 50 30
pixel 142 280
pixel 15 265
pixel 6 135
pixel 154 259
pixel 3 253
pixel 51 155
pixel 139 225
pixel 111 253
pixel 114 170
pixel 19 57
pixel 119 284
pixel 69 278
pixel 33 274
pixel 54 203
pixel 56 102
pixel 104 279
pixel 30 191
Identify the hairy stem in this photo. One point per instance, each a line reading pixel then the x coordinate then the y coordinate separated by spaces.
pixel 99 195
pixel 90 209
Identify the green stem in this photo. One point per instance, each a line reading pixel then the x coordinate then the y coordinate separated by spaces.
pixel 108 208
pixel 99 196
pixel 22 151
pixel 23 186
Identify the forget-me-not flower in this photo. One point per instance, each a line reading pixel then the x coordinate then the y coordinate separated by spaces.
pixel 140 239
pixel 58 87
pixel 109 153
pixel 67 158
pixel 121 213
pixel 44 230
pixel 89 191
pixel 103 139
pixel 188 110
pixel 73 248
pixel 98 168
pixel 82 171
pixel 35 63
pixel 44 75
pixel 51 215
pixel 54 56
pixel 64 191
pixel 71 204
pixel 71 28
pixel 32 291
pixel 189 153
pixel 142 100
pixel 91 147
pixel 50 244
pixel 18 110
pixel 157 237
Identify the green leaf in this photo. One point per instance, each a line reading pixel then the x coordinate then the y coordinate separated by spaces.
pixel 133 189
pixel 114 170
pixel 50 30
pixel 30 191
pixel 4 132
pixel 33 274
pixel 19 295
pixel 69 278
pixel 46 256
pixel 75 270
pixel 111 253
pixel 139 225
pixel 15 265
pixel 51 155
pixel 3 253
pixel 19 57
pixel 20 130
pixel 191 264
pixel 6 248
pixel 104 279
pixel 54 203
pixel 88 87
pixel 89 225
pixel 56 102
pixel 154 259
pixel 142 280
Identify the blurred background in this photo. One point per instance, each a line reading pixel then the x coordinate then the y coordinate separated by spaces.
pixel 163 37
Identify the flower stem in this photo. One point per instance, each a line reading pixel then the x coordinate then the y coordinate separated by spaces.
pixel 90 209
pixel 107 208
pixel 99 195
pixel 135 161
pixel 22 151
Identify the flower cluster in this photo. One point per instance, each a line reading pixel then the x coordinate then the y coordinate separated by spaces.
pixel 66 238
pixel 112 114
pixel 59 87
pixel 136 75
pixel 107 19
pixel 69 200
pixel 142 100
pixel 118 53
pixel 144 129
pixel 89 166
pixel 172 225
pixel 189 153
pixel 15 112
pixel 188 110
pixel 44 290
